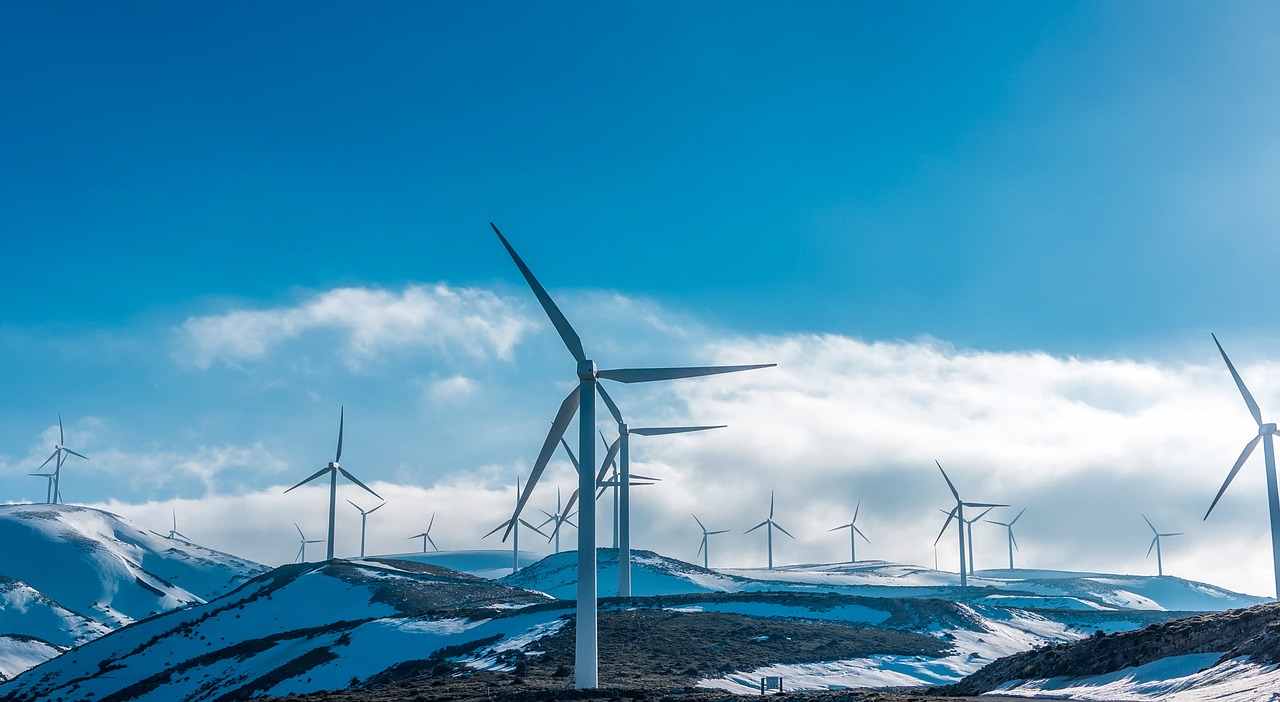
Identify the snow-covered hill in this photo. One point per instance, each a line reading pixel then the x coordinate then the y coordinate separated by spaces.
pixel 71 574
pixel 655 574
pixel 492 564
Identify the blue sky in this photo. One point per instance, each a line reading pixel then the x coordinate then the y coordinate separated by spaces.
pixel 1086 181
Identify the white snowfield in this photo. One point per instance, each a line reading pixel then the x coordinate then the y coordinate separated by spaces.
pixel 71 574
pixel 1191 678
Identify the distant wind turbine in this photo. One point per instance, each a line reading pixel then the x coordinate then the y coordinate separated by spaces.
pixel 60 452
pixel 174 531
pixel 513 527
pixel 854 532
pixel 968 526
pixel 586 661
pixel 333 469
pixel 957 513
pixel 705 549
pixel 558 519
pixel 622 448
pixel 772 525
pixel 426 535
pixel 302 547
pixel 48 488
pixel 1265 433
pixel 1013 543
pixel 363 516
pixel 1155 543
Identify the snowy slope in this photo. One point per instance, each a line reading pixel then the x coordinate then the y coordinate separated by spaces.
pixel 70 574
pixel 492 564
pixel 299 628
pixel 654 574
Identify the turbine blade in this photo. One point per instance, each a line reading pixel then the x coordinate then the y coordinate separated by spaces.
pixel 1172 533
pixel 648 375
pixel 855 512
pixel 699 521
pixel 496 529
pixel 636 476
pixel 338 455
pixel 572 458
pixel 432 542
pixel 1248 398
pixel 431 523
pixel 356 480
pixel 567 334
pixel 1015 519
pixel 608 401
pixel 608 458
pixel 314 475
pixel 1148 521
pixel 718 531
pixel 842 526
pixel 50 458
pixel 982 504
pixel 783 530
pixel 659 431
pixel 564 416
pixel 532 527
pixel 748 531
pixel 295 526
pixel 1244 456
pixel 859 533
pixel 375 509
pixel 771 505
pixel 356 506
pixel 949 484
pixel 62 439
pixel 73 453
pixel 568 506
pixel 950 515
pixel 1014 539
pixel 1152 546
pixel 419 536
pixel 701 545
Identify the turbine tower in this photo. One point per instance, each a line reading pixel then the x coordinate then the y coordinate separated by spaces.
pixel 614 482
pixel 174 531
pixel 333 469
pixel 957 513
pixel 705 549
pixel 60 452
pixel 968 526
pixel 48 488
pixel 1265 433
pixel 302 547
pixel 1013 543
pixel 586 663
pixel 365 515
pixel 621 447
pixel 513 527
pixel 854 532
pixel 1155 543
pixel 426 535
pixel 772 525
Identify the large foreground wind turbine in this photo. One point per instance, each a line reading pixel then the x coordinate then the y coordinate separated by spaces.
pixel 1155 543
pixel 426 535
pixel 333 469
pixel 772 525
pixel 623 444
pixel 585 669
pixel 60 452
pixel 1013 543
pixel 854 532
pixel 1265 433
pixel 302 545
pixel 957 513
pixel 705 549
pixel 364 515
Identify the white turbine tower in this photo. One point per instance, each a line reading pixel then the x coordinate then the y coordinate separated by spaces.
pixel 586 663
pixel 1155 543
pixel 1265 433
pixel 48 488
pixel 854 532
pixel 364 515
pixel 968 526
pixel 174 531
pixel 426 535
pixel 513 527
pixel 622 448
pixel 1013 543
pixel 558 519
pixel 60 452
pixel 614 482
pixel 772 525
pixel 302 544
pixel 333 469
pixel 705 548
pixel 957 513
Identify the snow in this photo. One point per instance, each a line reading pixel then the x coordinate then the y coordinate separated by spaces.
pixel 18 654
pixel 490 564
pixel 1197 677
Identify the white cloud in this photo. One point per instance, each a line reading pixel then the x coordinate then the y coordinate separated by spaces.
pixel 452 389
pixel 373 321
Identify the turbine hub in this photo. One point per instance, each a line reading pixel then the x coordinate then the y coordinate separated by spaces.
pixel 333 464
pixel 622 428
pixel 1265 429
pixel 586 370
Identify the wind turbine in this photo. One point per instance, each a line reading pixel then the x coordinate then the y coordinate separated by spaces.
pixel 426 535
pixel 333 469
pixel 1013 543
pixel 957 513
pixel 854 532
pixel 968 526
pixel 621 446
pixel 511 525
pixel 365 515
pixel 303 541
pixel 705 548
pixel 60 452
pixel 586 670
pixel 772 525
pixel 48 489
pixel 1155 543
pixel 558 519
pixel 174 531
pixel 1265 433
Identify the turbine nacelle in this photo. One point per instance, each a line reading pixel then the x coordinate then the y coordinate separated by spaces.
pixel 1264 429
